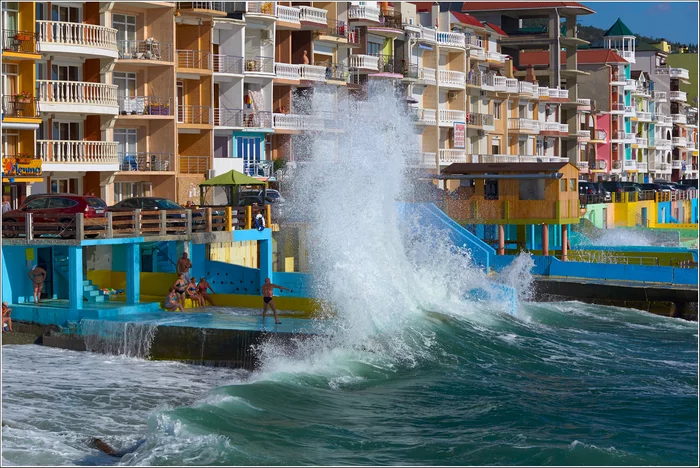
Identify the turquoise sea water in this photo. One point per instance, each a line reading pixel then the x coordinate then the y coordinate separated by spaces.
pixel 561 384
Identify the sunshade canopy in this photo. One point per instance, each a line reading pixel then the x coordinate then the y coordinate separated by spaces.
pixel 231 178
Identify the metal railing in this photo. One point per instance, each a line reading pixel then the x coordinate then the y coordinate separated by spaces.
pixel 336 29
pixel 215 6
pixel 77 151
pixel 259 64
pixel 76 34
pixel 19 41
pixel 224 117
pixel 192 114
pixel 146 105
pixel 146 162
pixel 228 64
pixel 194 164
pixel 252 119
pixel 18 107
pixel 479 120
pixel 77 92
pixel 337 72
pixel 148 49
pixel 391 20
pixel 197 59
pixel 259 169
pixel 261 8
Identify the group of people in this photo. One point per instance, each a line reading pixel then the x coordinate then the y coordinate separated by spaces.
pixel 186 286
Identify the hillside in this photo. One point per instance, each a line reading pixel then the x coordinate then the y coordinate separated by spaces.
pixel 689 62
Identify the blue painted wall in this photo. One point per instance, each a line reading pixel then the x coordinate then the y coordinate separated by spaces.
pixel 226 278
pixel 16 286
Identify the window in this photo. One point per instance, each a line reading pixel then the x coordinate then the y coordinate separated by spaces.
pixel 61 203
pixel 126 148
pixel 522 111
pixel 66 131
pixel 65 73
pixel 495 145
pixel 562 185
pixel 572 185
pixel 126 34
pixel 124 190
pixel 250 150
pixel 64 186
pixel 10 14
pixel 64 13
pixel 491 189
pixel 540 147
pixel 497 111
pixel 373 48
pixel 10 72
pixel 95 202
pixel 532 189
pixel 10 142
pixel 36 204
pixel 126 82
pixel 522 146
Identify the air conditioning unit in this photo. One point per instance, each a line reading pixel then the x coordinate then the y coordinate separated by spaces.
pixel 211 173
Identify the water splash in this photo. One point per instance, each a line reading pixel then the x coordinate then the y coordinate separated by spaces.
pixel 132 339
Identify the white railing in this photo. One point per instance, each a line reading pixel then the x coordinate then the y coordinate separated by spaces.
pixel 583 134
pixel 261 8
pixel 312 73
pixel 450 39
pixel 661 167
pixel 617 107
pixel 427 75
pixel 428 159
pixel 449 156
pixel 478 54
pixel 511 85
pixel 76 34
pixel 630 85
pixel 78 152
pixel 641 142
pixel 618 136
pixel 679 119
pixel 450 116
pixel 551 127
pixel 679 141
pixel 676 164
pixel 453 78
pixel 583 102
pixel 663 144
pixel 677 96
pixel 499 83
pixel 427 34
pixel 673 72
pixel 630 138
pixel 287 14
pixel 629 165
pixel 644 116
pixel 664 120
pixel 513 158
pixel 287 71
pixel 77 92
pixel 488 81
pixel 630 110
pixel 691 145
pixel 426 116
pixel 642 166
pixel 563 128
pixel 659 96
pixel 582 165
pixel 543 91
pixel 363 13
pixel 470 40
pixel 527 88
pixel 296 122
pixel 367 62
pixel 313 15
pixel 524 124
pixel 495 56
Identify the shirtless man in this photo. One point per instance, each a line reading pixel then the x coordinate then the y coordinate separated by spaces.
pixel 184 265
pixel 202 288
pixel 38 276
pixel 267 292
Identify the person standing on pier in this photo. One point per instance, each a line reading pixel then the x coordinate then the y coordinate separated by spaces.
pixel 267 292
pixel 38 276
pixel 183 266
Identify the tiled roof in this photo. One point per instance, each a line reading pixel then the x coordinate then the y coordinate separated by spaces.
pixel 423 6
pixel 583 57
pixel 618 29
pixel 466 19
pixel 496 29
pixel 490 6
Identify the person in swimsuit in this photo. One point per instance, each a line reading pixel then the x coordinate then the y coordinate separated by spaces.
pixel 267 292
pixel 180 286
pixel 6 311
pixel 202 290
pixel 38 276
pixel 192 292
pixel 183 266
pixel 172 300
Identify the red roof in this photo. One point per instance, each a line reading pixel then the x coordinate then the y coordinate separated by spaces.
pixel 423 6
pixel 466 19
pixel 490 6
pixel 496 28
pixel 585 56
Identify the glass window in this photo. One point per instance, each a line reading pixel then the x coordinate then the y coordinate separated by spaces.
pixel 373 48
pixel 562 185
pixel 533 189
pixel 572 185
pixel 95 202
pixel 164 204
pixel 36 204
pixel 497 110
pixel 61 203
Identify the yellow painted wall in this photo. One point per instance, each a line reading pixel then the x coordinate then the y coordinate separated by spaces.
pixel 238 253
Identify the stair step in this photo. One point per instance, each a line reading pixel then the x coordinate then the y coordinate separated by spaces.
pixel 95 292
pixel 87 282
pixel 96 298
pixel 90 287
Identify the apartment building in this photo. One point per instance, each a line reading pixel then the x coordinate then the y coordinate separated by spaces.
pixel 20 118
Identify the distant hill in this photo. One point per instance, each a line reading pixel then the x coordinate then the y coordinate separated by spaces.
pixel 690 63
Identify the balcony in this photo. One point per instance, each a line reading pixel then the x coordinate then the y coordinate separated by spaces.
pixel 691 145
pixel 616 166
pixel 676 164
pixel 194 164
pixel 451 79
pixel 390 20
pixel 259 65
pixel 146 105
pixel 617 137
pixel 287 71
pixel 601 165
pixel 288 14
pixel 630 111
pixel 642 167
pixel 146 162
pixel 673 72
pixel 524 125
pixel 188 114
pixel 18 107
pixel 337 72
pixel 364 62
pixel 543 92
pixel 681 119
pixel 664 120
pixel 659 96
pixel 363 13
pixel 630 85
pixel 77 97
pixel 630 138
pixel 193 60
pixel 527 89
pixel 643 116
pixel 472 41
pixel 663 144
pixel 552 127
pixel 260 8
pixel 312 73
pixel 211 8
pixel 450 39
pixel 660 167
pixel 616 81
pixel 424 116
pixel 617 108
pixel 423 159
pixel 641 91
pixel 427 35
pixel 505 85
pixel 19 42
pixel 58 37
pixel 679 141
pixel 449 156
pixel 224 117
pixel 482 121
pixel 449 117
pixel 583 134
pixel 495 57
pixel 582 165
pixel 580 102
pixel 488 82
pixel 477 54
pixel 629 165
pixel 252 119
pixel 312 17
pixel 94 155
pixel 296 122
pixel 641 142
pixel 227 65
pixel 148 52
pixel 677 96
pixel 427 76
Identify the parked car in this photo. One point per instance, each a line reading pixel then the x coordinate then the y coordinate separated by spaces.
pixel 593 189
pixel 613 187
pixel 690 182
pixel 631 187
pixel 55 211
pixel 271 195
pixel 655 187
pixel 177 218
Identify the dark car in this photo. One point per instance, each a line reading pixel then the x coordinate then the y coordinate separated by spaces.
pixel 593 190
pixel 689 182
pixel 655 187
pixel 176 218
pixel 613 187
pixel 631 187
pixel 55 212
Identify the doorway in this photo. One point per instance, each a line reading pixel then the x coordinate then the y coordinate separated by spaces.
pixel 44 256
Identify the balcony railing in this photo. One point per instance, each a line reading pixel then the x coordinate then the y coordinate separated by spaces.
pixel 194 164
pixel 641 142
pixel 287 71
pixel 312 73
pixel 583 102
pixel 629 165
pixel 391 20
pixel 194 115
pixel 19 107
pixel 146 162
pixel 642 166
pixel 663 144
pixel 691 145
pixel 479 120
pixel 526 88
pixel 427 75
pixel 145 105
pixel 660 167
pixel 673 72
pixel 259 169
pixel 679 141
pixel 363 13
pixel 252 119
pixel 336 29
pixel 630 111
pixel 389 64
pixel 470 40
pixel 449 156
pixel 288 14
pixel 677 96
pixel 630 138
pixel 551 127
pixel 450 116
pixel 450 39
pixel 224 117
pixel 451 78
pixel 214 6
pixel 524 124
pixel 478 54
pixel 644 116
pixel 297 122
pixel 312 15
pixel 259 64
pixel 337 72
pixel 679 119
pixel 427 34
pixel 425 116
pixel 630 85
pixel 76 34
pixel 676 164
pixel 18 41
pixel 228 64
pixel 261 8
pixel 77 92
pixel 145 50
pixel 366 62
pixel 496 56
pixel 198 59
pixel 77 151
pixel 659 96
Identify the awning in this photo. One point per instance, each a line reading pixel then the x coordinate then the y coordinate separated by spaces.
pixel 231 178
pixel 426 47
pixel 20 125
pixel 21 180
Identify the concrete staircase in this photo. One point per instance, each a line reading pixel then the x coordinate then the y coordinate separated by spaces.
pixel 91 292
